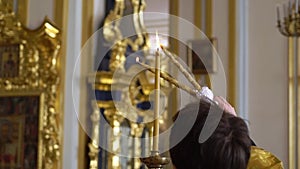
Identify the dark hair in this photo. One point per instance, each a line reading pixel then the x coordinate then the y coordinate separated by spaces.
pixel 227 148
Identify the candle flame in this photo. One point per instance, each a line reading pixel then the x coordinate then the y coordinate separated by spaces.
pixel 157 41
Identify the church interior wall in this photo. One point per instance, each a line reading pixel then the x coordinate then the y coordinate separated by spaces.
pixel 268 80
pixel 268 105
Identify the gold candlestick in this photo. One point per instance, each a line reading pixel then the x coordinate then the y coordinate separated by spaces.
pixel 155 161
pixel 157 98
pixel 181 68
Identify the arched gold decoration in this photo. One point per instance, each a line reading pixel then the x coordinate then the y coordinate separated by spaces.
pixel 36 72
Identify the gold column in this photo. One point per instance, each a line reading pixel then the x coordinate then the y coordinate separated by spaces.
pixel 231 87
pixel 208 25
pixel 209 18
pixel 86 32
pixel 174 47
pixel 209 29
pixel 61 20
pixel 289 27
pixel 197 14
pixel 174 10
pixel 198 18
pixel 23 11
pixel 294 118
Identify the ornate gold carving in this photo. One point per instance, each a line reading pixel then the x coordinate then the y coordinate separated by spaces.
pixel 93 145
pixel 118 58
pixel 37 72
pixel 113 34
pixel 109 78
pixel 93 154
pixel 6 6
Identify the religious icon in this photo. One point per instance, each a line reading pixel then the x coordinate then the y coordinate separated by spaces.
pixel 19 126
pixel 11 142
pixel 201 56
pixel 9 60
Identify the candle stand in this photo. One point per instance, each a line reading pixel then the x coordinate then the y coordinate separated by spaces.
pixel 289 26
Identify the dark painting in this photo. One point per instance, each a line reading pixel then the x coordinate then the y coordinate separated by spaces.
pixel 19 124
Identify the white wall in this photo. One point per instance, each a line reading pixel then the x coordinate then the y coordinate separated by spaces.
pixel 220 29
pixel 267 69
pixel 73 47
pixel 268 97
pixel 38 10
pixel 99 13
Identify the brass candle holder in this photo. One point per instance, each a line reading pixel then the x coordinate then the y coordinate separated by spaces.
pixel 289 26
pixel 155 161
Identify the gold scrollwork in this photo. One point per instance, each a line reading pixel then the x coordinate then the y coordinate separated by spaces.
pixel 37 71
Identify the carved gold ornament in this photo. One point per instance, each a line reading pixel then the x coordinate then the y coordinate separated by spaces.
pixel 35 71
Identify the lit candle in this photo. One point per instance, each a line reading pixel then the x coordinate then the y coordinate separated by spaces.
pixel 157 97
pixel 181 68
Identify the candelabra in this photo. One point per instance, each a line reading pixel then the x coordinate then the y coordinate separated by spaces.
pixel 289 26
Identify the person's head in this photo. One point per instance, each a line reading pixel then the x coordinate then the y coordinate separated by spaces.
pixel 227 148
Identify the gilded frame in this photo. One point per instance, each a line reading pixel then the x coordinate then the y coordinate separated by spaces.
pixel 37 75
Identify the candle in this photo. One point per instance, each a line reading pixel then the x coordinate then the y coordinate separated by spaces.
pixel 278 15
pixel 181 68
pixel 284 11
pixel 157 97
pixel 290 8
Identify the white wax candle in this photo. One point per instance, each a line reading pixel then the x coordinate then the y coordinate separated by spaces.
pixel 157 99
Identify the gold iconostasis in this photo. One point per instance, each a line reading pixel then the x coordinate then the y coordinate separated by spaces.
pixel 29 119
